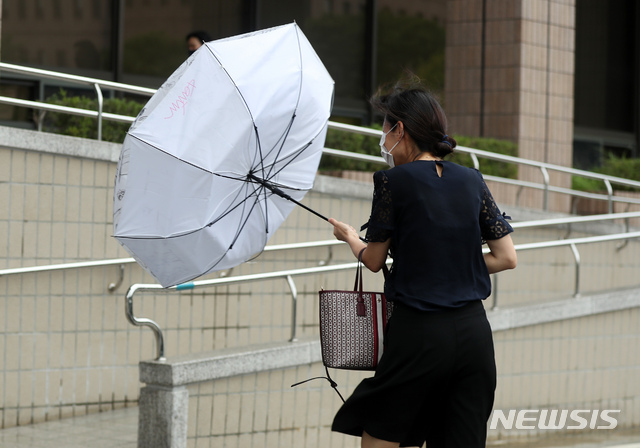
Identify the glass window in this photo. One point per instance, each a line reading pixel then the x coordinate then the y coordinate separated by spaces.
pixel 605 65
pixel 336 29
pixel 411 36
pixel 155 38
pixel 52 36
pixel 606 81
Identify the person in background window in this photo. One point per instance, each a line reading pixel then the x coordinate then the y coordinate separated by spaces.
pixel 195 39
pixel 437 376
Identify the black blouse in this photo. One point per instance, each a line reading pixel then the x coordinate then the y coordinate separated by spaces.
pixel 437 226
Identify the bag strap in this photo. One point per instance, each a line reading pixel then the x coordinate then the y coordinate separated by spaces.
pixel 328 378
pixel 360 309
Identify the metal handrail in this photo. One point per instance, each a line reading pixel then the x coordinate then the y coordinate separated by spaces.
pixel 474 153
pixel 495 156
pixel 321 243
pixel 289 274
pixel 122 261
pixel 83 80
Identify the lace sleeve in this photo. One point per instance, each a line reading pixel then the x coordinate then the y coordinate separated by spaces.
pixel 493 224
pixel 380 225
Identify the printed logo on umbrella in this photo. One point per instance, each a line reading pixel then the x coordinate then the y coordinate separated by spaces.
pixel 181 102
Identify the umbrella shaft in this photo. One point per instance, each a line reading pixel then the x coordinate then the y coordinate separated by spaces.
pixel 284 195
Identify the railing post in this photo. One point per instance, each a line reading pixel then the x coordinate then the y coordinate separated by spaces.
pixel 100 104
pixel 576 255
pixel 545 176
pixel 294 307
pixel 609 194
pixel 476 162
pixel 494 292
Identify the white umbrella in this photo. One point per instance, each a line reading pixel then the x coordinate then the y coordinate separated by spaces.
pixel 199 179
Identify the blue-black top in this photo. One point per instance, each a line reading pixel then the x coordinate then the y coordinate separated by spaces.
pixel 437 226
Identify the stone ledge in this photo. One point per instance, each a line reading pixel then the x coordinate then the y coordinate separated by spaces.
pixel 206 366
pixel 344 188
pixel 25 139
pixel 542 313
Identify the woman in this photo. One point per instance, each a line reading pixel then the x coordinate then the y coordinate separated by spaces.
pixel 437 376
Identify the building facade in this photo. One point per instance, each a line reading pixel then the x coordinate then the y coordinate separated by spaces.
pixel 558 77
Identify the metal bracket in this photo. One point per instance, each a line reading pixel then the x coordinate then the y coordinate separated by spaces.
pixel 144 322
pixel 326 261
pixel 113 286
pixel 627 226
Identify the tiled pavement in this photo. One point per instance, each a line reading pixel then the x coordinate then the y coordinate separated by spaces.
pixel 118 429
pixel 111 429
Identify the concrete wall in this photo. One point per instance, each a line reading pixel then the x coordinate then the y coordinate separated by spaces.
pixel 67 349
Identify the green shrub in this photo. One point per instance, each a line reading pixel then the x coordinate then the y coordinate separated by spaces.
pixel 348 141
pixel 488 166
pixel 369 145
pixel 87 127
pixel 612 166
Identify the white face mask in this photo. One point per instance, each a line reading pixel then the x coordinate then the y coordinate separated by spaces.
pixel 386 154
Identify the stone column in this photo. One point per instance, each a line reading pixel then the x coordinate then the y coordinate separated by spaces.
pixel 509 75
pixel 162 420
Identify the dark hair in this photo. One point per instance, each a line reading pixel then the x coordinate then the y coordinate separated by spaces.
pixel 202 36
pixel 420 112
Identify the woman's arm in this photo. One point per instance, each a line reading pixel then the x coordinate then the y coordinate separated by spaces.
pixel 376 254
pixel 502 255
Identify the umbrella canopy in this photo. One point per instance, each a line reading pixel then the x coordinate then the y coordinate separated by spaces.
pixel 241 121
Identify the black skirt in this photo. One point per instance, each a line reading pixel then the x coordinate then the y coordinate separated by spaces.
pixel 435 382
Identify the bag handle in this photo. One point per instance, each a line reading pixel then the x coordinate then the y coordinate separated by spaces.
pixel 357 287
pixel 361 310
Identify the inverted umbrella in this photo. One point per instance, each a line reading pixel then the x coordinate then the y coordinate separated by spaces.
pixel 221 153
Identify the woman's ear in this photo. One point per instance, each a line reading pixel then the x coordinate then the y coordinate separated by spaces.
pixel 399 128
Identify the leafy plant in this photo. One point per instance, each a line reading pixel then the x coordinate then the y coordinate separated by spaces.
pixel 488 166
pixel 87 127
pixel 613 166
pixel 361 144
pixel 348 141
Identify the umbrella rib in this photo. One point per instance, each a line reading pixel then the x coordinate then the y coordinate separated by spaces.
pixel 191 232
pixel 281 145
pixel 250 195
pixel 294 156
pixel 295 110
pixel 185 161
pixel 246 105
pixel 237 235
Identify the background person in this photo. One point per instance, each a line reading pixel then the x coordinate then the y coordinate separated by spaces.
pixel 436 379
pixel 195 39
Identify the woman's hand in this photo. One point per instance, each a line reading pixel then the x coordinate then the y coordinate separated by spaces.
pixel 376 254
pixel 343 232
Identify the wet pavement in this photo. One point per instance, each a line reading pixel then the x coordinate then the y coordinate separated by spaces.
pixel 116 429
